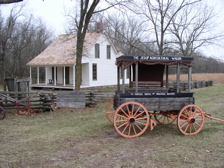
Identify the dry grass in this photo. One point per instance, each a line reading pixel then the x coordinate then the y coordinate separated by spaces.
pixel 84 138
pixel 218 78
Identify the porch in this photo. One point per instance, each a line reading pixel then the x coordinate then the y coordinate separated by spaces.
pixel 54 77
pixel 57 86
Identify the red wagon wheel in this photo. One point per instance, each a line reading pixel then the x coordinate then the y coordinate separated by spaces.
pixel 110 112
pixel 190 120
pixel 131 119
pixel 164 117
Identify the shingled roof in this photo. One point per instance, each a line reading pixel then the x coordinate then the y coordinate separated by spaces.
pixel 62 50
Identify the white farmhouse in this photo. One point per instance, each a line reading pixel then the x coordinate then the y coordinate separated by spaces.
pixel 55 66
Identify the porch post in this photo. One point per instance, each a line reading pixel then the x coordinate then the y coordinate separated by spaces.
pixel 38 75
pixel 46 77
pixel 30 75
pixel 73 76
pixel 55 75
pixel 64 77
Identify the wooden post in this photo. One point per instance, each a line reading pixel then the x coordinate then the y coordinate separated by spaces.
pixel 178 77
pixel 38 75
pixel 189 79
pixel 64 77
pixel 118 78
pixel 30 75
pixel 167 74
pixel 123 78
pixel 46 77
pixel 136 77
pixel 55 76
pixel 73 77
pixel 130 69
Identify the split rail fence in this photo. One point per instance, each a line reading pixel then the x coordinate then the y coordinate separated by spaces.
pixel 46 100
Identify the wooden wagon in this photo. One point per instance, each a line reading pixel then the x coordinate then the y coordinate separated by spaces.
pixel 148 94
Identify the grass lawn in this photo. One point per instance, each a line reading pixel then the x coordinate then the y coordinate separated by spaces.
pixel 84 138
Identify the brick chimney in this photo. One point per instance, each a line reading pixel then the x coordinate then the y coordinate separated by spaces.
pixel 99 27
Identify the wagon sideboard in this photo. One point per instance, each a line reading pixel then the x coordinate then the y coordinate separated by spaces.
pixel 156 101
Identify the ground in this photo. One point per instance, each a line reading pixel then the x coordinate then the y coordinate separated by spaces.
pixel 83 138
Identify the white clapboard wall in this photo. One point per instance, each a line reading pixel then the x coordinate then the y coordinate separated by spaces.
pixel 71 99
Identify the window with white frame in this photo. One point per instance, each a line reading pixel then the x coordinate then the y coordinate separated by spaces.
pixel 108 52
pixel 94 68
pixel 97 50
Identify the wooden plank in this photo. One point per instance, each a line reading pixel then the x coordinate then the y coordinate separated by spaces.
pixel 161 104
pixel 71 99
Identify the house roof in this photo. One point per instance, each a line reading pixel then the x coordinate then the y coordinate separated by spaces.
pixel 62 50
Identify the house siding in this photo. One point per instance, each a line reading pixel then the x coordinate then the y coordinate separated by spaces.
pixel 106 68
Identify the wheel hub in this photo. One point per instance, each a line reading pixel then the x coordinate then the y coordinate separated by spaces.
pixel 131 120
pixel 192 120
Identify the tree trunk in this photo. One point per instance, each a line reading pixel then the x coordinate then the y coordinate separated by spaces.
pixel 78 66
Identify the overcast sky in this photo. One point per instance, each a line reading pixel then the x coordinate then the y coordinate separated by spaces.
pixel 52 13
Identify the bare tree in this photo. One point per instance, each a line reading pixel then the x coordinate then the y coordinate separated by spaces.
pixel 194 28
pixel 82 20
pixel 158 15
pixel 7 28
pixel 127 33
pixel 9 1
pixel 21 39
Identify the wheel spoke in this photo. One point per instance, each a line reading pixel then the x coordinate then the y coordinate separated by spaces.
pixel 132 110
pixel 138 126
pixel 121 121
pixel 141 123
pixel 194 127
pixel 139 114
pixel 122 125
pixel 143 118
pixel 118 115
pixel 124 112
pixel 186 128
pixel 125 128
pixel 184 124
pixel 134 129
pixel 128 110
pixel 136 112
pixel 129 130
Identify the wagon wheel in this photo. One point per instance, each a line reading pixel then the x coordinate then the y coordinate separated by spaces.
pixel 164 118
pixel 131 119
pixel 190 120
pixel 2 113
pixel 110 112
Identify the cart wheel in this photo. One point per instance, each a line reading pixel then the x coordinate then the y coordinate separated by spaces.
pixel 2 113
pixel 164 118
pixel 131 119
pixel 110 112
pixel 190 120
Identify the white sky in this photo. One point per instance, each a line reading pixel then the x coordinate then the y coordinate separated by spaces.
pixel 52 12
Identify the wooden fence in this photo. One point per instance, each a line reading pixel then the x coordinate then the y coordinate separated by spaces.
pixel 104 95
pixel 47 99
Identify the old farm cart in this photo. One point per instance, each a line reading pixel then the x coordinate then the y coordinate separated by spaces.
pixel 148 95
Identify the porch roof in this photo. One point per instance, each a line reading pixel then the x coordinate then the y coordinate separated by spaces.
pixel 62 50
